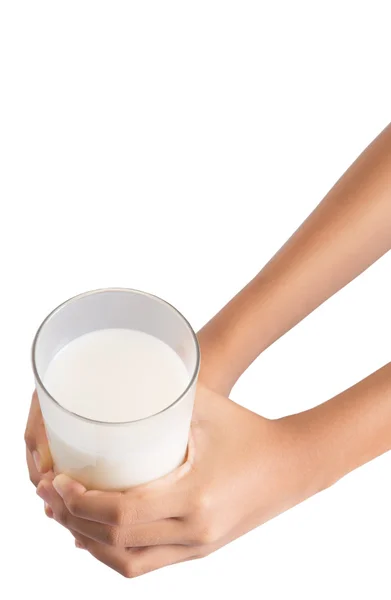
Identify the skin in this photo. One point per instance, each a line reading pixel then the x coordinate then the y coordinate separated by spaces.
pixel 347 232
pixel 243 469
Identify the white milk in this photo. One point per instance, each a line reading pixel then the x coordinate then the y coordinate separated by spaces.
pixel 118 375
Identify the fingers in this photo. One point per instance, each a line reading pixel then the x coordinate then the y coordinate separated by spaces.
pixel 35 438
pixel 136 562
pixel 167 531
pixel 140 505
pixel 35 476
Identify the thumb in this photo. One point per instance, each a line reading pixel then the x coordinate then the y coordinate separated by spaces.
pixel 35 437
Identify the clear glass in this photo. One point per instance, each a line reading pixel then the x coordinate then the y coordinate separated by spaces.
pixel 116 456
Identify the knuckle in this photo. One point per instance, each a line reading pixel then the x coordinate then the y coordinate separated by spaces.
pixel 202 502
pixel 140 539
pixel 203 552
pixel 114 537
pixel 73 506
pixel 61 516
pixel 130 569
pixel 64 516
pixel 130 515
pixel 34 479
pixel 202 519
pixel 119 516
pixel 125 512
pixel 132 540
pixel 206 534
pixel 29 439
pixel 34 476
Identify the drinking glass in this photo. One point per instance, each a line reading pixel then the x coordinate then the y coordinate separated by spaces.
pixel 116 456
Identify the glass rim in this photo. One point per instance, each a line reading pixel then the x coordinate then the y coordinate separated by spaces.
pixel 58 308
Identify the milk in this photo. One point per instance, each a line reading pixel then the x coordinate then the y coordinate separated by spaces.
pixel 117 376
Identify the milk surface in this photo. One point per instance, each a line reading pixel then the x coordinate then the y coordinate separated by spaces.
pixel 116 375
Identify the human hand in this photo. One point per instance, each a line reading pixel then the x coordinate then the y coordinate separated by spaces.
pixel 241 470
pixel 39 460
pixel 38 457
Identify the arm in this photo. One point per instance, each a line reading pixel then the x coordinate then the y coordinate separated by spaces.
pixel 350 429
pixel 242 469
pixel 346 233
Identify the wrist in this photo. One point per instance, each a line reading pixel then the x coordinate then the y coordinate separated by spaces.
pixel 214 372
pixel 311 467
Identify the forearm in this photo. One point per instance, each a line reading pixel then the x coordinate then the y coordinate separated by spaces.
pixel 346 233
pixel 348 430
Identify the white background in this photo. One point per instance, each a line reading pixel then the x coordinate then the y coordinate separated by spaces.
pixel 173 147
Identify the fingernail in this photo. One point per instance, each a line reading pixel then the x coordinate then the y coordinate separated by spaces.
pixel 37 460
pixel 48 511
pixel 79 545
pixel 59 483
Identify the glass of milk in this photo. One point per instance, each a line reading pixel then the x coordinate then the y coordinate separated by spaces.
pixel 115 372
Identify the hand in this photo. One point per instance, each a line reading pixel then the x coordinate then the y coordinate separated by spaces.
pixel 39 460
pixel 241 471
